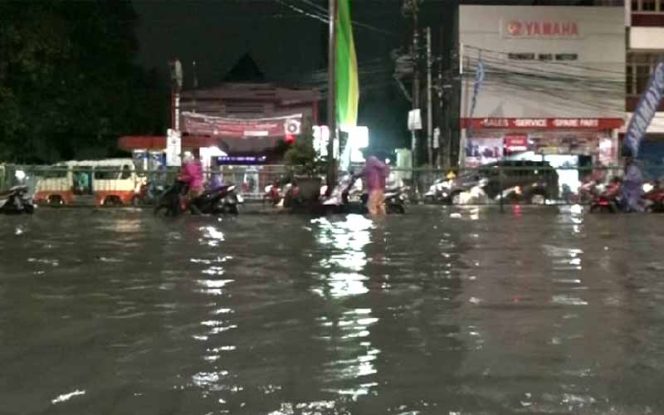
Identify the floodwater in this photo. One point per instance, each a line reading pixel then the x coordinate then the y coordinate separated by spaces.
pixel 470 312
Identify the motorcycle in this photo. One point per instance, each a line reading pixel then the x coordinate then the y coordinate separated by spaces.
pixel 604 204
pixel 653 197
pixel 652 201
pixel 222 199
pixel 15 201
pixel 148 194
pixel 348 198
pixel 439 192
pixel 273 194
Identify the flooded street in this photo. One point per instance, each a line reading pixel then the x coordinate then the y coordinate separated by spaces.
pixel 119 312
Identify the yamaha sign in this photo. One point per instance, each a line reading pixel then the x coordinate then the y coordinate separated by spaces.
pixel 541 29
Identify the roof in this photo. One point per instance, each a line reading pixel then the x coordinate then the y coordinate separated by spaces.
pixel 253 92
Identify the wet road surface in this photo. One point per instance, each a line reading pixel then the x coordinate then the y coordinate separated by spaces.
pixel 535 312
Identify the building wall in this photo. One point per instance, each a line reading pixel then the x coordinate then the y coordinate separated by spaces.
pixel 512 41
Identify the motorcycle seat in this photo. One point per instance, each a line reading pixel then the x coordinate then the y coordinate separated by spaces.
pixel 13 190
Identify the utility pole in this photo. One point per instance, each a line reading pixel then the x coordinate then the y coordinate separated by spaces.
pixel 429 101
pixel 176 87
pixel 331 94
pixel 416 74
pixel 465 131
pixel 193 64
pixel 442 123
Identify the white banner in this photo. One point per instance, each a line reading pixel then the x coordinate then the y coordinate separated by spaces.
pixel 173 148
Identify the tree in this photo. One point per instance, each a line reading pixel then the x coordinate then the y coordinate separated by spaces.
pixel 301 156
pixel 68 82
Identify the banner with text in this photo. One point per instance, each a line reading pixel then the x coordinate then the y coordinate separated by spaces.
pixel 200 124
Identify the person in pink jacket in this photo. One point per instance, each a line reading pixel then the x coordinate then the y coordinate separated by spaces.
pixel 191 173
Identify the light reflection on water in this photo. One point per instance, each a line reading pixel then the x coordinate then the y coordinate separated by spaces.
pixel 345 241
pixel 429 313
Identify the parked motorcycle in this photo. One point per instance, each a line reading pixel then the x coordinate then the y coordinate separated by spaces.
pixel 604 204
pixel 15 201
pixel 216 201
pixel 148 194
pixel 273 194
pixel 439 192
pixel 652 200
pixel 653 197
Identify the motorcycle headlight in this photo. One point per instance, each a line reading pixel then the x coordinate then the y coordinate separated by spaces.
pixel 647 187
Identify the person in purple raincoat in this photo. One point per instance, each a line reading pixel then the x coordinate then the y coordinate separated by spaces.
pixel 375 174
pixel 632 187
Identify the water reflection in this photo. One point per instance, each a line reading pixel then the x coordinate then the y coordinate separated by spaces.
pixel 347 330
pixel 218 319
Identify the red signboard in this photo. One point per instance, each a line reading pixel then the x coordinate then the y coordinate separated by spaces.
pixel 540 29
pixel 516 143
pixel 543 123
pixel 199 124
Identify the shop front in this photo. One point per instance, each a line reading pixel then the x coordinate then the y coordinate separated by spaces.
pixel 573 146
pixel 542 84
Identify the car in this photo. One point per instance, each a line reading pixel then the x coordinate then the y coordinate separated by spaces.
pixel 518 180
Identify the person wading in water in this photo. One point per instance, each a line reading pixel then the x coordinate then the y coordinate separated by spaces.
pixel 375 174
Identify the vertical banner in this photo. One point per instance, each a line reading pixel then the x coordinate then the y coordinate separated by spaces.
pixel 347 83
pixel 479 79
pixel 645 110
pixel 173 148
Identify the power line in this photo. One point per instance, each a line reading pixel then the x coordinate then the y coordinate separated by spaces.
pixel 324 18
pixel 571 65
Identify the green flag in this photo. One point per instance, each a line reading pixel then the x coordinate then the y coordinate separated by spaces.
pixel 348 89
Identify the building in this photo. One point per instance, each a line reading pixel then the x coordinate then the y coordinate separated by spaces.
pixel 244 118
pixel 645 47
pixel 541 82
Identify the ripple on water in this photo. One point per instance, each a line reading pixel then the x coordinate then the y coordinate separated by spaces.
pixel 479 314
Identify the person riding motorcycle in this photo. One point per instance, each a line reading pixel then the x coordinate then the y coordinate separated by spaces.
pixel 191 173
pixel 613 189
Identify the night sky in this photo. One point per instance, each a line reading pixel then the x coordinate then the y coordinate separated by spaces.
pixel 290 47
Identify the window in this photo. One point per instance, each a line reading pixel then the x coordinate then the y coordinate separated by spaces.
pixel 648 6
pixel 567 57
pixel 638 71
pixel 58 172
pixel 545 57
pixel 106 173
pixel 126 172
pixel 642 76
pixel 521 56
